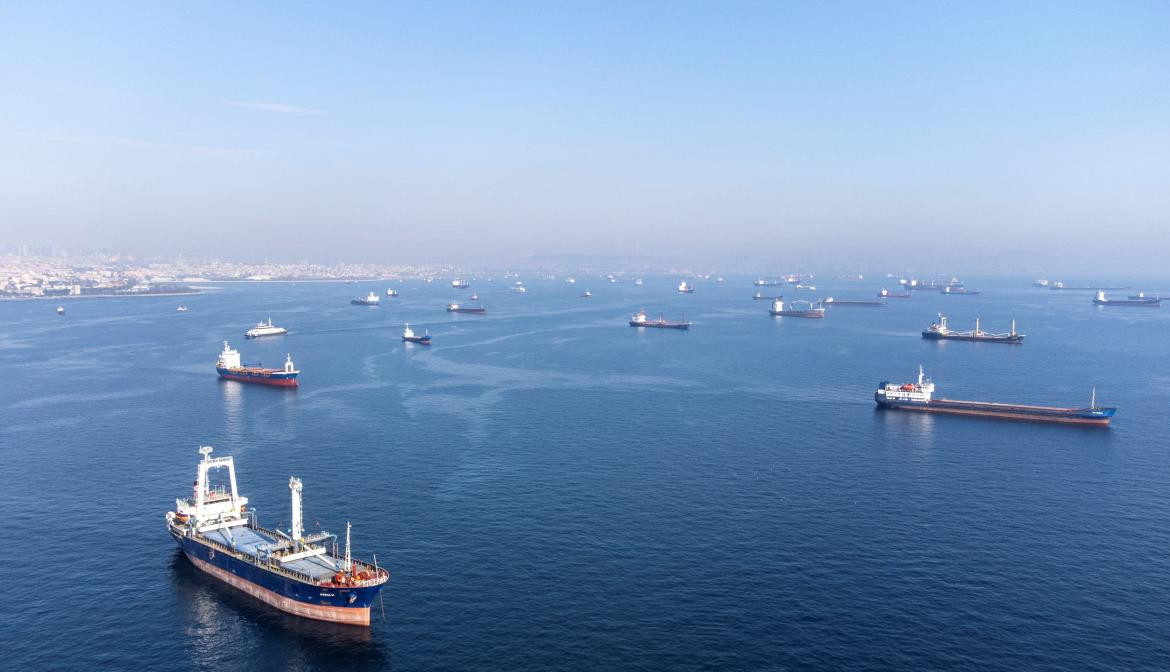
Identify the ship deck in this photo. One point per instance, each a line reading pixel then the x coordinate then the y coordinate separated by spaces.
pixel 247 539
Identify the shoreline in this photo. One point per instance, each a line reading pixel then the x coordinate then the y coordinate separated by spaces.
pixel 197 292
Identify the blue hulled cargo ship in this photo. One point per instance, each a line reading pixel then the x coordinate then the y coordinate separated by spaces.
pixel 229 367
pixel 291 571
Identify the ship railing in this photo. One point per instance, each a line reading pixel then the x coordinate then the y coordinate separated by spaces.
pixel 265 563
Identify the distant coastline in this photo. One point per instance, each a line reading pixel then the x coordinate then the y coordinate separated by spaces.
pixel 125 295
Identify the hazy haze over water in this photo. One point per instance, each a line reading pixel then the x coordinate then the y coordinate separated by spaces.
pixel 990 135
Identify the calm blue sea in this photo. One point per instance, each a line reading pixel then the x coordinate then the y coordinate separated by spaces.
pixel 553 490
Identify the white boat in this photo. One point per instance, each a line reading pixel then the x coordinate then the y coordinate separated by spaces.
pixel 60 310
pixel 520 289
pixel 638 282
pixel 370 300
pixel 181 309
pixel 570 281
pixel 459 283
pixel 587 294
pixel 686 287
pixel 264 329
pixel 391 292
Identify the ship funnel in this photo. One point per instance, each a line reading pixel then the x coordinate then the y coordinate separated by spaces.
pixel 298 524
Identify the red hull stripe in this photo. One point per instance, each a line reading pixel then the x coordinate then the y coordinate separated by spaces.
pixel 348 615
pixel 275 382
pixel 1006 416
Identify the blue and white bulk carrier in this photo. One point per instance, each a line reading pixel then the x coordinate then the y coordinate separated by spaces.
pixel 291 571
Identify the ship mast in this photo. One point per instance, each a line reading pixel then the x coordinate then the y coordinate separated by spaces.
pixel 348 561
pixel 298 525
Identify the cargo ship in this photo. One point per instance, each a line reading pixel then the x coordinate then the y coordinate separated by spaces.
pixel 887 294
pixel 918 396
pixel 409 336
pixel 640 320
pixel 685 287
pixel 370 299
pixel 459 283
pixel 960 290
pixel 302 574
pixel 760 282
pixel 392 292
pixel 760 297
pixel 854 302
pixel 265 329
pixel 230 368
pixel 797 309
pixel 456 308
pixel 940 332
pixel 1142 301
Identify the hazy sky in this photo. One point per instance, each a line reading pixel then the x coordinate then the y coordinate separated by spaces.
pixel 872 133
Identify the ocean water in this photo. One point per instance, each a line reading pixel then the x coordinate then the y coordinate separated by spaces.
pixel 553 490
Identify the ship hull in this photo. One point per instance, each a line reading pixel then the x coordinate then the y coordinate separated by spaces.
pixel 652 325
pixel 471 311
pixel 1070 416
pixel 416 339
pixel 1128 303
pixel 350 606
pixel 932 336
pixel 274 379
pixel 798 313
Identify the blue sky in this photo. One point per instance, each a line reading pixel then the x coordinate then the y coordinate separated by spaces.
pixel 970 135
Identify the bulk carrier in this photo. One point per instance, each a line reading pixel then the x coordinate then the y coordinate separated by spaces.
pixel 230 368
pixel 797 309
pixel 918 396
pixel 939 331
pixel 1141 300
pixel 291 571
pixel 639 320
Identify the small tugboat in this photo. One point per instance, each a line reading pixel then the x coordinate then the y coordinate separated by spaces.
pixel 637 282
pixel 229 367
pixel 391 292
pixel 797 309
pixel 456 308
pixel 958 290
pixel 685 287
pixel 587 294
pixel 940 332
pixel 409 336
pixel 639 320
pixel 918 397
pixel 181 309
pixel 265 329
pixel 887 294
pixel 370 299
pixel 60 310
pixel 474 296
pixel 1140 301
pixel 854 302
pixel 801 287
pixel 459 283
pixel 292 571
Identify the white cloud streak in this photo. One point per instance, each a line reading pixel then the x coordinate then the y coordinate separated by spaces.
pixel 277 108
pixel 137 143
